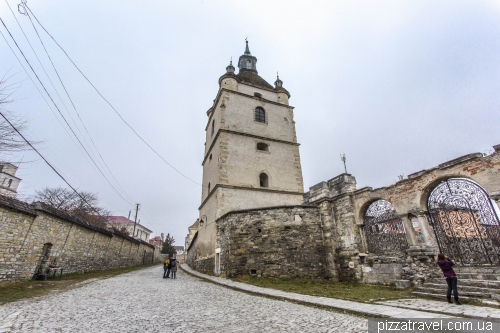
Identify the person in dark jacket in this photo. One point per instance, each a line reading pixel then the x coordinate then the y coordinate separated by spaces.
pixel 449 274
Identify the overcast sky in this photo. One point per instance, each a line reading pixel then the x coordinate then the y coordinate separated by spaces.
pixel 398 86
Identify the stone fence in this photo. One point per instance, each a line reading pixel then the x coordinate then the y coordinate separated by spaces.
pixel 34 235
pixel 282 242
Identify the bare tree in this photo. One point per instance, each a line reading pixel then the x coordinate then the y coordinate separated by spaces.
pixel 70 202
pixel 10 141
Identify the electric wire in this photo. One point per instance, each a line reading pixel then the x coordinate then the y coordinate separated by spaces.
pixel 50 165
pixel 43 97
pixel 64 87
pixel 70 99
pixel 45 71
pixel 112 107
pixel 50 97
pixel 50 108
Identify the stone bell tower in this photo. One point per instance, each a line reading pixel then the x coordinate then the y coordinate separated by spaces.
pixel 251 152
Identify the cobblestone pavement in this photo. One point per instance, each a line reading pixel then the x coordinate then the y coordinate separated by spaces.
pixel 142 301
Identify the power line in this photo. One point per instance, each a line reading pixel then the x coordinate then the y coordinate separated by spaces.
pixel 62 114
pixel 119 115
pixel 50 165
pixel 67 94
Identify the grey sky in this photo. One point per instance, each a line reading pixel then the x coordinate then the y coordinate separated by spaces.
pixel 398 86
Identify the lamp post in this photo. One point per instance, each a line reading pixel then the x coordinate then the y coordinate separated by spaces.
pixel 202 220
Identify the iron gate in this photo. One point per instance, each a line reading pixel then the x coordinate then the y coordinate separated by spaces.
pixel 465 223
pixel 384 230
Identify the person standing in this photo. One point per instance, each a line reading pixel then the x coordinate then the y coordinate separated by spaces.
pixel 166 268
pixel 446 264
pixel 169 267
pixel 173 269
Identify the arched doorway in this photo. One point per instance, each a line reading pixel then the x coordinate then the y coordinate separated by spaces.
pixel 464 221
pixel 383 229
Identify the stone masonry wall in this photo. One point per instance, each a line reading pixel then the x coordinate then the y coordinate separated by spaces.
pixel 77 246
pixel 283 242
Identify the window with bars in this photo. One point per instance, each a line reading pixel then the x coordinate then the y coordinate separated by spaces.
pixel 260 115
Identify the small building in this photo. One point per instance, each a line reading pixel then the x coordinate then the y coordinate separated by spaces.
pixel 191 232
pixel 156 241
pixel 179 249
pixel 8 180
pixel 123 223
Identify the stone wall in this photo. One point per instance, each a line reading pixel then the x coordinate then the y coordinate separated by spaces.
pixel 26 230
pixel 284 242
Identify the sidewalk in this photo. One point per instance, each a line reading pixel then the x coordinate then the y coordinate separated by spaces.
pixel 409 308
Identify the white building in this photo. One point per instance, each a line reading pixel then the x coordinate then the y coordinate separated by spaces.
pixel 119 222
pixel 8 180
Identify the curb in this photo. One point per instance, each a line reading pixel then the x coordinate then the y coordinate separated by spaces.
pixel 337 305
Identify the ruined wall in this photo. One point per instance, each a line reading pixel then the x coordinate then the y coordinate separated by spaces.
pixel 409 198
pixel 283 242
pixel 77 246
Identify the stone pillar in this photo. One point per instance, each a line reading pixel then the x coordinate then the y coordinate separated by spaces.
pixel 410 232
pixel 427 232
pixel 364 246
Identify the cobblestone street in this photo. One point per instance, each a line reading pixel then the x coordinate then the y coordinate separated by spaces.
pixel 142 301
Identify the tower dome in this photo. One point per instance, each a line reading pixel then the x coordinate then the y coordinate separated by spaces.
pixel 247 61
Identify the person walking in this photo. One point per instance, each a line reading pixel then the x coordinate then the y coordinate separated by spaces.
pixel 166 268
pixel 173 269
pixel 445 263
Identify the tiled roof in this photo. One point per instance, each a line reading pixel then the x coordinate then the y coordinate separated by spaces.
pixel 195 225
pixel 119 219
pixel 20 206
pixel 253 79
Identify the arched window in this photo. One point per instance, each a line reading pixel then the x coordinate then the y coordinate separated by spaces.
pixel 260 115
pixel 9 183
pixel 249 64
pixel 208 189
pixel 264 180
pixel 213 126
pixel 210 157
pixel 383 229
pixel 262 146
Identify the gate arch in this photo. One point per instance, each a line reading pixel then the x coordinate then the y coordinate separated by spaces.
pixel 383 229
pixel 464 221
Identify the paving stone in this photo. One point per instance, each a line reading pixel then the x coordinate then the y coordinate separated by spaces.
pixel 141 301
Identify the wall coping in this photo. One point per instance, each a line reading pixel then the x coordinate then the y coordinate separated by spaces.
pixel 263 208
pixel 17 205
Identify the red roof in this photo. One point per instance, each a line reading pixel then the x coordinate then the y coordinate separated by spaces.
pixel 119 219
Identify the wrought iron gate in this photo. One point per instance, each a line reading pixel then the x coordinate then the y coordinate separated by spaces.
pixel 384 230
pixel 465 223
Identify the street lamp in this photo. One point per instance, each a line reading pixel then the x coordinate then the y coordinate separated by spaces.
pixel 202 220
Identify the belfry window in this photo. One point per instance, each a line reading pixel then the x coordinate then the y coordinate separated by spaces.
pixel 264 180
pixel 262 146
pixel 249 64
pixel 260 115
pixel 9 183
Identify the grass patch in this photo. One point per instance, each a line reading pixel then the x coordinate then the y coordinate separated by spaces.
pixel 15 291
pixel 325 288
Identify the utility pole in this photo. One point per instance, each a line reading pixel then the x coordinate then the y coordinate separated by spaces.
pixel 342 157
pixel 135 221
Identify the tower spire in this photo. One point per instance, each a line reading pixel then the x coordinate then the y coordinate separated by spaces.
pixel 247 61
pixel 247 50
